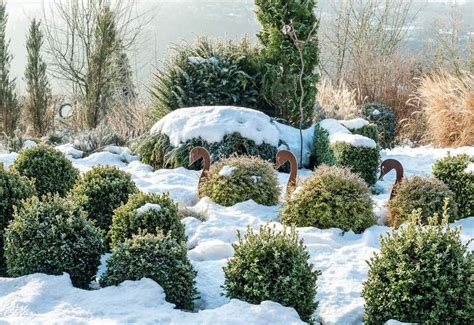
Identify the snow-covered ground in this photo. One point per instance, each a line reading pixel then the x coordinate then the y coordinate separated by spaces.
pixel 340 256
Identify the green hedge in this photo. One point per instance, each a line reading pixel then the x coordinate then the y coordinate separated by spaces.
pixel 271 265
pixel 160 258
pixel 451 171
pixel 370 131
pixel 156 150
pixel 129 221
pixel 363 161
pixel 53 236
pixel 385 119
pixel 422 275
pixel 322 152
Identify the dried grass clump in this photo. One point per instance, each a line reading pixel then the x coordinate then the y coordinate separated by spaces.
pixel 336 101
pixel 448 104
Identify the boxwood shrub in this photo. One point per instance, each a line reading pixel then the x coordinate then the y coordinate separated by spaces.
pixel 13 189
pixel 363 161
pixel 157 257
pixel 156 150
pixel 330 197
pixel 53 236
pixel 428 194
pixel 370 131
pixel 150 212
pixel 237 179
pixel 52 171
pixel 271 265
pixel 100 191
pixel 451 170
pixel 423 275
pixel 385 119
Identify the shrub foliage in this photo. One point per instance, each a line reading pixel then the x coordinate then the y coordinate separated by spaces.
pixel 330 197
pixel 385 119
pixel 160 258
pixel 272 266
pixel 53 236
pixel 423 274
pixel 237 179
pixel 451 170
pixel 363 161
pixel 150 212
pixel 428 194
pixel 52 171
pixel 100 191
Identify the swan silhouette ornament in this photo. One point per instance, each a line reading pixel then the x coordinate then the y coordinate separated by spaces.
pixel 282 157
pixel 198 153
pixel 387 166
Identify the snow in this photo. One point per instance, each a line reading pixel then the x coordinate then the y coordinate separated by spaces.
pixel 227 171
pixel 339 133
pixel 29 144
pixel 340 256
pixel 355 123
pixel 212 123
pixel 148 207
pixel 7 159
pixel 290 136
pixel 469 169
pixel 69 150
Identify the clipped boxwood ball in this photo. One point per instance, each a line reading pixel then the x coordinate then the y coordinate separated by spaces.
pixel 13 189
pixel 271 265
pixel 157 257
pixel 150 212
pixel 237 179
pixel 451 170
pixel 428 194
pixel 330 197
pixel 100 191
pixel 53 236
pixel 423 275
pixel 51 170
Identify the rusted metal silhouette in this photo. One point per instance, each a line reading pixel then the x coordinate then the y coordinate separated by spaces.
pixel 387 166
pixel 198 153
pixel 282 157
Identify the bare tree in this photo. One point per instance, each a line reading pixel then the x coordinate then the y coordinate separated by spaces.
pixel 83 37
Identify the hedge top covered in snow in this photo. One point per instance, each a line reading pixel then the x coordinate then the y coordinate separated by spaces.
pixel 354 124
pixel 339 133
pixel 212 123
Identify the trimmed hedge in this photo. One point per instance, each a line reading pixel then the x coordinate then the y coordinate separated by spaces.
pixel 52 171
pixel 451 171
pixel 100 191
pixel 156 150
pixel 330 197
pixel 427 194
pixel 53 236
pixel 237 179
pixel 363 161
pixel 135 216
pixel 160 258
pixel 13 189
pixel 370 131
pixel 271 265
pixel 322 152
pixel 385 119
pixel 423 274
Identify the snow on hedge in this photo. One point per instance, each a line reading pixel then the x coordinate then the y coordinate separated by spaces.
pixel 339 133
pixel 148 207
pixel 354 124
pixel 212 123
pixel 48 299
pixel 469 168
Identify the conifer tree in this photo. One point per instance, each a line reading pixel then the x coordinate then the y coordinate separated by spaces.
pixel 37 84
pixel 9 108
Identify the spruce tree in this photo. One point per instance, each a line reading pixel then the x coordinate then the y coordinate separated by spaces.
pixel 288 27
pixel 37 84
pixel 9 108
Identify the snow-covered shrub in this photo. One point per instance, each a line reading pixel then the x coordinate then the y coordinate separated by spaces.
pixel 385 119
pixel 13 189
pixel 209 73
pixel 97 139
pixel 237 179
pixel 271 265
pixel 452 170
pixel 334 144
pixel 363 161
pixel 100 191
pixel 51 170
pixel 150 212
pixel 370 131
pixel 53 236
pixel 427 194
pixel 423 274
pixel 156 150
pixel 330 197
pixel 158 257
